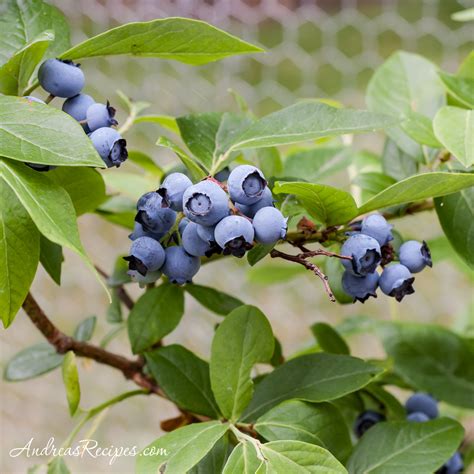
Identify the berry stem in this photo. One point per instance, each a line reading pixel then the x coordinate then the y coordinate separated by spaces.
pixel 49 98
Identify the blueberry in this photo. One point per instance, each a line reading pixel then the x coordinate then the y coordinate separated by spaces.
pixel 235 235
pixel 205 203
pixel 144 280
pixel 396 280
pixel 250 211
pixel 61 78
pixel 172 190
pixel 34 99
pixel 415 255
pixel 366 420
pixel 146 254
pixel 206 233
pixel 223 174
pixel 77 107
pixel 424 403
pixel 39 167
pixel 454 465
pixel 365 253
pixel 193 244
pixel 360 288
pixel 377 227
pixel 183 224
pixel 246 184
pixel 154 215
pixel 270 225
pixel 100 115
pixel 110 145
pixel 418 417
pixel 139 231
pixel 180 267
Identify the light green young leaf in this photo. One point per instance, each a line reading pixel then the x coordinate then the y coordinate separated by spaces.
pixel 181 39
pixel 58 466
pixel 181 449
pixel 326 204
pixel 373 183
pixel 36 133
pixel 166 121
pixel 215 459
pixel 466 69
pixel 52 258
pixel 19 254
pixel 403 446
pixel 420 128
pixel 214 300
pixel 461 88
pixel 243 460
pixel 244 338
pixel 418 187
pixel 454 128
pixel 132 185
pixel 146 163
pixel 396 163
pixel 463 15
pixel 71 382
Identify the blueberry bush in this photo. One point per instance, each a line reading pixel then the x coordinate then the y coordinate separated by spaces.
pixel 239 190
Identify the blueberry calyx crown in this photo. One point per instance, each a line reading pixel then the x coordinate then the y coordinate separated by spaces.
pixel 406 288
pixel 368 262
pixel 426 254
pixel 69 62
pixel 118 153
pixel 254 184
pixel 237 247
pixel 199 204
pixel 112 111
pixel 136 264
pixel 163 192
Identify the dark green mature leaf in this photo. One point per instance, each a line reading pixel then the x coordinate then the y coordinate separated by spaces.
pixel 329 339
pixel 36 133
pixel 19 254
pixel 52 258
pixel 22 21
pixel 85 329
pixel 418 187
pixel 396 163
pixel 326 204
pixel 269 161
pixel 403 446
pixel 321 424
pixel 244 338
pixel 461 88
pixel 396 89
pixel 308 120
pixel 314 377
pixel 456 216
pixel 32 361
pixel 181 449
pixel 243 460
pixel 214 300
pixel 393 408
pixel 155 315
pixel 71 382
pixel 373 183
pixel 184 377
pixel 259 252
pixel 181 39
pixel 215 459
pixel 447 374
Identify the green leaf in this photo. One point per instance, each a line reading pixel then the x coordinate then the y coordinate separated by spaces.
pixel 270 162
pixel 181 449
pixel 308 120
pixel 456 216
pixel 32 361
pixel 37 133
pixel 85 329
pixel 395 447
pixel 329 339
pixel 214 300
pixel 184 377
pixel 23 21
pixel 146 163
pixel 19 254
pixel 258 252
pixel 214 460
pixel 166 121
pixel 396 89
pixel 52 258
pixel 321 424
pixel 119 273
pixel 71 382
pixel 393 408
pixel 155 315
pixel 448 374
pixel 334 270
pixel 454 128
pixel 58 466
pixel 314 377
pixel 15 74
pixel 272 274
pixel 463 15
pixel 417 188
pixel 197 173
pixel 461 88
pixel 85 187
pixel 326 204
pixel 132 185
pixel 244 338
pixel 373 182
pixel 396 163
pixel 420 128
pixel 466 69
pixel 181 39
pixel 242 460
pixel 114 311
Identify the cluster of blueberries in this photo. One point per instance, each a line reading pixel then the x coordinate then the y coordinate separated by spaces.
pixel 182 221
pixel 369 247
pixel 63 78
pixel 420 408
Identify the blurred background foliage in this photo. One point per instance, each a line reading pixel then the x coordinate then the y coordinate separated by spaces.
pixel 324 48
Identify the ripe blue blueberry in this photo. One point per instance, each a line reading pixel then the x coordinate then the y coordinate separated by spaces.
pixel 223 175
pixel 246 184
pixel 415 255
pixel 110 145
pixel 366 420
pixel 377 227
pixel 454 465
pixel 270 225
pixel 183 223
pixel 180 267
pixel 61 78
pixel 139 231
pixel 34 99
pixel 100 115
pixel 172 190
pixel 205 203
pixel 235 235
pixel 397 281
pixel 154 214
pixel 250 211
pixel 77 107
pixel 360 288
pixel 206 233
pixel 365 253
pixel 144 280
pixel 146 254
pixel 193 244
pixel 418 417
pixel 424 403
